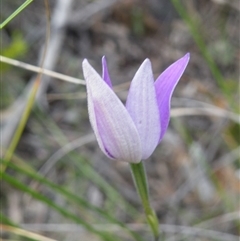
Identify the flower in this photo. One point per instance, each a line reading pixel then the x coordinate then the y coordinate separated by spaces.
pixel 131 133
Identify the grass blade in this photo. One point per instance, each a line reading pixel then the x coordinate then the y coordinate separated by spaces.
pixel 194 27
pixel 20 186
pixel 15 13
pixel 72 197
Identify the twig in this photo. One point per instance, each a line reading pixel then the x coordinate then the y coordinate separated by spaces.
pixel 205 111
pixel 166 228
pixel 24 233
pixel 228 217
pixel 64 150
pixel 36 69
pixel 233 4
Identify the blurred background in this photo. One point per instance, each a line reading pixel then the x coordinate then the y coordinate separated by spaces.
pixel 55 180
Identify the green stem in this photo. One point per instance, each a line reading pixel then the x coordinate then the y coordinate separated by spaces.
pixel 140 180
pixel 20 127
pixel 15 13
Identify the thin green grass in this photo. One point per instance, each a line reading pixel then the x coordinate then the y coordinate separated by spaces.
pixel 195 26
pixel 29 172
pixel 15 13
pixel 36 195
pixel 6 220
pixel 18 133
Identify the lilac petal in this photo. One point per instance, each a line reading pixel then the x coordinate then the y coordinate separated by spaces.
pixel 105 74
pixel 143 108
pixel 115 131
pixel 165 85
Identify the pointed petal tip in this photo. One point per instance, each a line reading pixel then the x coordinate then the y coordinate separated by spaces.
pixel 146 64
pixel 183 62
pixel 104 59
pixel 147 61
pixel 165 85
pixel 186 56
pixel 85 62
pixel 104 62
pixel 105 74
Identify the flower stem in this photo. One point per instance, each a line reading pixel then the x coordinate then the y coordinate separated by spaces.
pixel 140 180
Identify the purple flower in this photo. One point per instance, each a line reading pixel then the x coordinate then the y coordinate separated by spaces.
pixel 131 133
